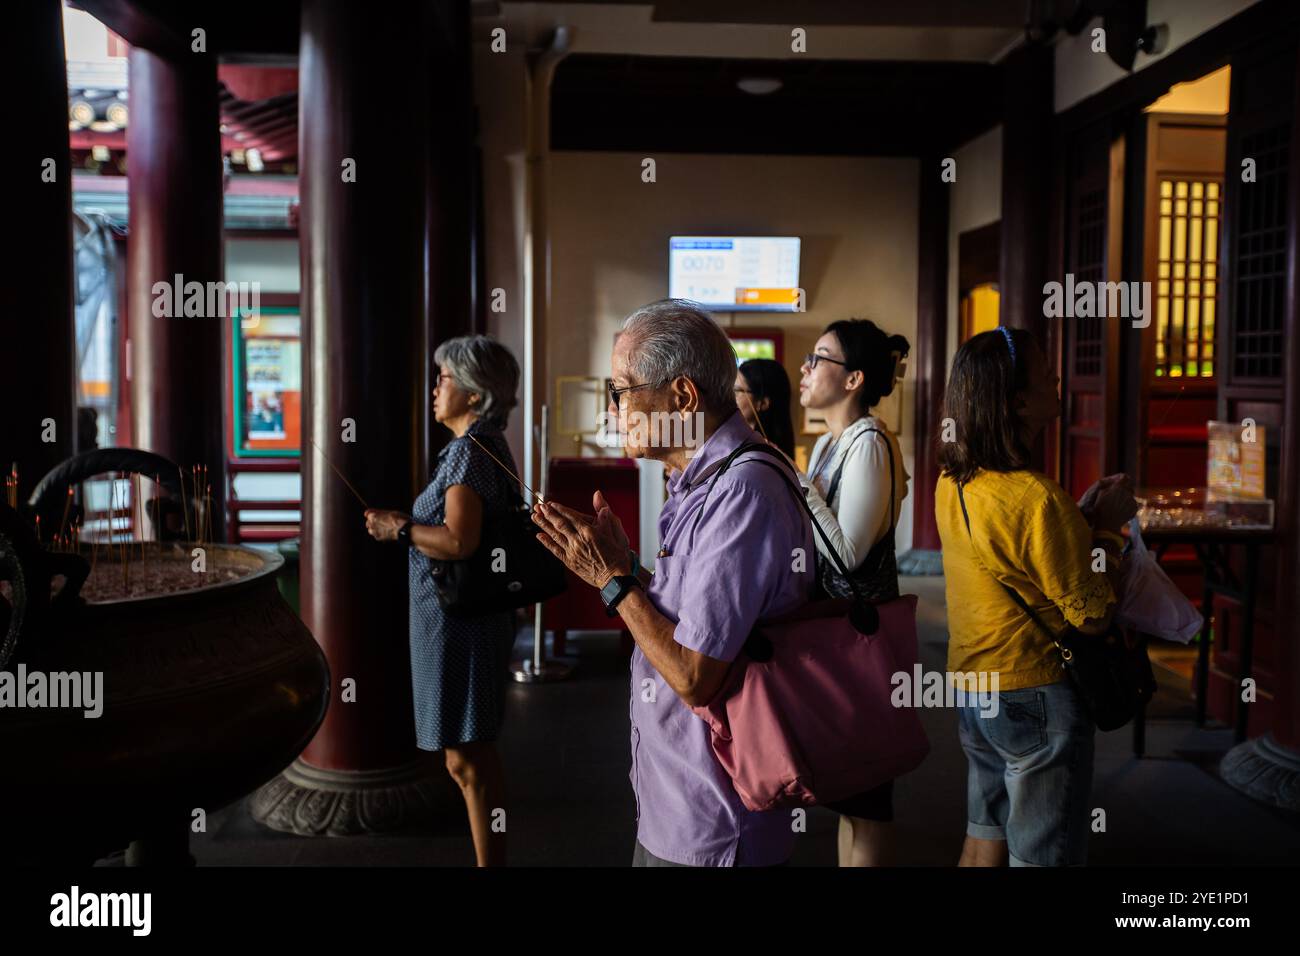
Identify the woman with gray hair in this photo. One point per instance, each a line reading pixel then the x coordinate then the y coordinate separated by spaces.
pixel 458 664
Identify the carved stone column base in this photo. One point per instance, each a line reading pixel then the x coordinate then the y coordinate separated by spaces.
pixel 1264 769
pixel 309 801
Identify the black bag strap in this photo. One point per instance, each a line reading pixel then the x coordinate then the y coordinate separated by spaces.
pixel 1015 595
pixel 784 470
pixel 835 482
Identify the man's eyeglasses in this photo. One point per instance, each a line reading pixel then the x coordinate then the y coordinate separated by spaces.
pixel 812 358
pixel 617 393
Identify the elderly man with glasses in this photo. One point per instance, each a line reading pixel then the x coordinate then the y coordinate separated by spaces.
pixel 733 550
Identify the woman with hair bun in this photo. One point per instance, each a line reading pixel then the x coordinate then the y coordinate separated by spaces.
pixel 855 485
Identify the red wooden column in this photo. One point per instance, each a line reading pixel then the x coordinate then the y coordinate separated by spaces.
pixel 449 223
pixel 364 110
pixel 37 354
pixel 1026 184
pixel 175 206
pixel 1027 123
pixel 931 348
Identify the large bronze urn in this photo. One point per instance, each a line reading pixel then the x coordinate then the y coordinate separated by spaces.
pixel 208 691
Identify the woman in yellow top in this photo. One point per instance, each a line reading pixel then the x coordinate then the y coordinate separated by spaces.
pixel 1030 749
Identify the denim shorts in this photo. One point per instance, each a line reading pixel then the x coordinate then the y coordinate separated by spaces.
pixel 1030 774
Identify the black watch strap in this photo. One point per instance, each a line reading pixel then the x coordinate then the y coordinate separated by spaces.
pixel 616 589
pixel 404 533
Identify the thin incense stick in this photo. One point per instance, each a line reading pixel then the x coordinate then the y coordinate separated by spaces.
pixel 504 468
pixel 184 514
pixel 339 473
pixel 67 504
pixel 137 509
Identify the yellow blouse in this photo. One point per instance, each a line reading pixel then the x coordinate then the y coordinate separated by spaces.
pixel 1029 534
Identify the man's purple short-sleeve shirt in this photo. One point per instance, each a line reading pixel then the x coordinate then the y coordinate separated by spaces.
pixel 722 572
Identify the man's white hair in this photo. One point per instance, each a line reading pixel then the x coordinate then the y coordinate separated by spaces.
pixel 674 337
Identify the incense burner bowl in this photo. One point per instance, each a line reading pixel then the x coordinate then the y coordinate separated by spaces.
pixel 207 693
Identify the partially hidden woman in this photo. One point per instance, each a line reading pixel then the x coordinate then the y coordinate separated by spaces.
pixel 459 665
pixel 855 487
pixel 763 397
pixel 1003 525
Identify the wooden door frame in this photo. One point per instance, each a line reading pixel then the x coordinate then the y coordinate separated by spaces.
pixel 1122 104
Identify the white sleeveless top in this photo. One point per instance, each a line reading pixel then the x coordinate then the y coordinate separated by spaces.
pixel 858 516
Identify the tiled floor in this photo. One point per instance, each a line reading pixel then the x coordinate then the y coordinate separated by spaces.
pixel 566 752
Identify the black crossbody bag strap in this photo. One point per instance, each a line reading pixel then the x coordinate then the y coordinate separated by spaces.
pixel 835 482
pixel 868 623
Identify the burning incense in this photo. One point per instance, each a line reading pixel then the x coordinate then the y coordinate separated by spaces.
pixel 505 469
pixel 340 474
pixel 137 512
pixel 67 504
pixel 184 513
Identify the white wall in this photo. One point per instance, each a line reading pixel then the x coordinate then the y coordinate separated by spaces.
pixel 1081 73
pixel 272 262
pixel 609 246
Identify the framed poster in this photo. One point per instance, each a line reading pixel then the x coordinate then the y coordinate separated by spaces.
pixel 267 384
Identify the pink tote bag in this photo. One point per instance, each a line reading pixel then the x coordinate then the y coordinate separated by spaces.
pixel 804 716
pixel 814 724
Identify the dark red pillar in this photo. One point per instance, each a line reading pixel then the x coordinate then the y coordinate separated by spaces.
pixel 174 175
pixel 931 350
pixel 363 121
pixel 37 352
pixel 1026 185
pixel 1268 767
pixel 1027 123
pixel 449 224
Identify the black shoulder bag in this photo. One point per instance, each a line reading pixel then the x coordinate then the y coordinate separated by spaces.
pixel 509 569
pixel 1113 679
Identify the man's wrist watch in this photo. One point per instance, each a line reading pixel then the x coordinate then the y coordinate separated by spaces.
pixel 617 588
pixel 404 533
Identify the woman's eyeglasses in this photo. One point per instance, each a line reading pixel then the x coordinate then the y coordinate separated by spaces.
pixel 812 358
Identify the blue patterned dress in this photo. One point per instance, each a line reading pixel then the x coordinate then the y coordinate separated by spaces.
pixel 459 665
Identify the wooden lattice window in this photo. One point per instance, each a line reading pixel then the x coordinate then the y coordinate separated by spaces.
pixel 1090 266
pixel 1261 257
pixel 1187 276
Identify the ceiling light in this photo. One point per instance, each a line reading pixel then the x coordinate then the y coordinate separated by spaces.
pixel 759 85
